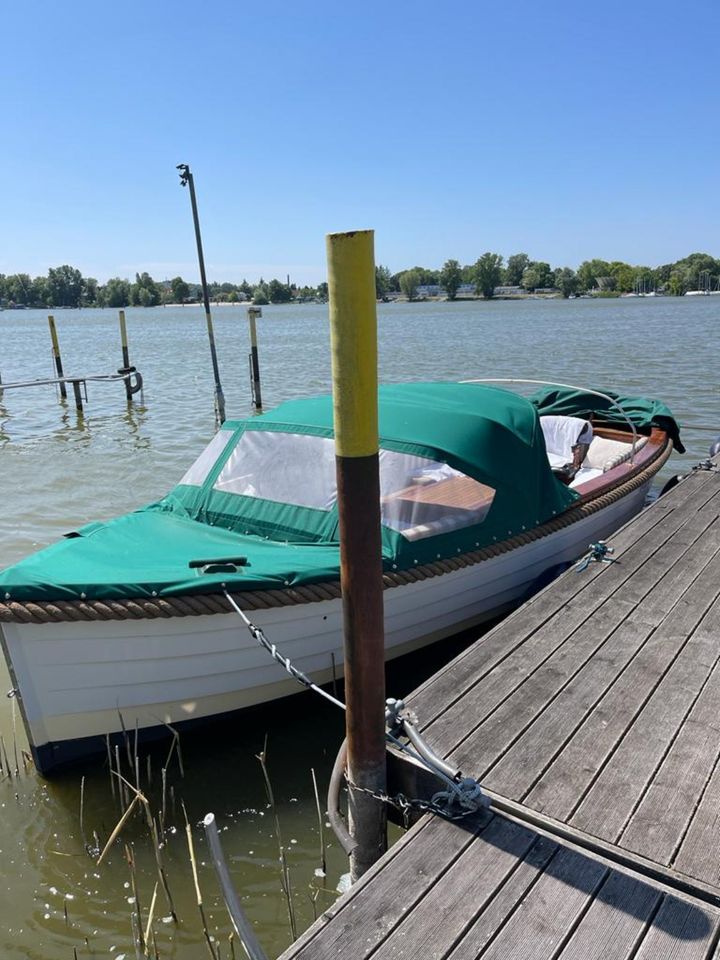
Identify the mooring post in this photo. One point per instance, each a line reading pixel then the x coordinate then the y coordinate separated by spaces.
pixel 186 180
pixel 78 395
pixel 56 356
pixel 125 356
pixel 254 313
pixel 353 338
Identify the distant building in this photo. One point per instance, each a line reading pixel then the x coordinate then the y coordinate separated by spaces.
pixel 507 291
pixel 429 290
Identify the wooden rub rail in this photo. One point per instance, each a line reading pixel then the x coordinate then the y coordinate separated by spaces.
pixel 13 611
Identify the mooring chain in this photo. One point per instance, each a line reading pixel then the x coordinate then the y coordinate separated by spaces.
pixel 441 803
pixel 462 794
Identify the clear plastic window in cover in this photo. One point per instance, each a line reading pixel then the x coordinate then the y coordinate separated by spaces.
pixel 423 498
pixel 284 467
pixel 197 474
pixel 418 497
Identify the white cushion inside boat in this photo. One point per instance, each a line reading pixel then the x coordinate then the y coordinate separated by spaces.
pixel 561 435
pixel 604 454
pixel 584 474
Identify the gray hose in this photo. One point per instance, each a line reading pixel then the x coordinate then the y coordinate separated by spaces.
pixel 241 923
pixel 333 802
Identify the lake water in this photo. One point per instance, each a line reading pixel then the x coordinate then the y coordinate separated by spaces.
pixel 59 470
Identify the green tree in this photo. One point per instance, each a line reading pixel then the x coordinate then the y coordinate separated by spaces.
pixel 488 274
pixel 115 293
pixel 537 275
pixel 516 266
pixel 39 294
pixel 383 282
pixel 676 285
pixel 260 293
pixel 18 288
pixel 590 270
pixel 322 291
pixel 451 278
pixel 278 292
pixel 625 276
pixel 64 286
pixel 567 282
pixel 180 290
pixel 150 297
pixel 409 283
pixel 89 292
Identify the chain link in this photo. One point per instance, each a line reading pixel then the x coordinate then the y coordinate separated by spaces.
pixel 406 804
pixel 461 797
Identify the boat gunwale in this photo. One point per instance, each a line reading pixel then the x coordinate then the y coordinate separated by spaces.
pixel 594 495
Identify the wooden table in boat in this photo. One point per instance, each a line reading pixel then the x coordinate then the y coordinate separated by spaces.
pixel 590 717
pixel 451 493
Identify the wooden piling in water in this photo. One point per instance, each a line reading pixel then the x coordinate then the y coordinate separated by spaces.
pixel 125 354
pixel 57 358
pixel 254 313
pixel 78 394
pixel 353 335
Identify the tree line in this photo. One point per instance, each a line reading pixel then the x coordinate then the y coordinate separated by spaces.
pixel 602 277
pixel 65 286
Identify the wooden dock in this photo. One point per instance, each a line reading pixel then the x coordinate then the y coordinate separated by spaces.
pixel 591 716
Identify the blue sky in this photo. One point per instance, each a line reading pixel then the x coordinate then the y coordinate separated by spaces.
pixel 565 130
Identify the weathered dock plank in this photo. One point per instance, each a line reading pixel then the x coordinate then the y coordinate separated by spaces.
pixel 590 715
pixel 507 893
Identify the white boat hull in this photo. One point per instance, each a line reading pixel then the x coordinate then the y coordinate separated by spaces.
pixel 77 680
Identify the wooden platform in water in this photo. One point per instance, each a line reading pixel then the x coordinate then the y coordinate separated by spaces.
pixel 592 717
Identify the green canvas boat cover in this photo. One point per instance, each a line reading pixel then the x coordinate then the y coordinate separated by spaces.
pixel 488 434
pixel 644 413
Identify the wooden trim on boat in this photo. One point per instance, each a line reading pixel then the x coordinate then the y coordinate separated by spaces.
pixel 597 494
pixel 646 454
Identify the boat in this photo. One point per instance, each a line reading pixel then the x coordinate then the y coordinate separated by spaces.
pixel 128 624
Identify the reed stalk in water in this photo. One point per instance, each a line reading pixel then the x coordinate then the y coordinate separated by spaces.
pixel 5 757
pixel 149 926
pixel 140 937
pixel 118 827
pixel 82 810
pixel 15 747
pixel 284 869
pixel 110 764
pixel 323 858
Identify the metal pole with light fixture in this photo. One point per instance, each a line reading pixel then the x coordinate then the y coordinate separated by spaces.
pixel 186 180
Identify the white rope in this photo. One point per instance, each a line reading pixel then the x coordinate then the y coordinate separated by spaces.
pixel 279 658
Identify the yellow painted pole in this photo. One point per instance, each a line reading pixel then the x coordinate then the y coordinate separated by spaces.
pixel 353 340
pixel 56 355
